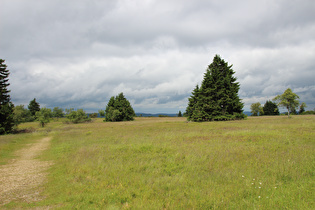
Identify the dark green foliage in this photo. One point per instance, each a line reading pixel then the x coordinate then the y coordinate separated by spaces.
pixel 78 116
pixel 6 118
pixel 192 103
pixel 302 108
pixel 270 108
pixel 33 107
pixel 217 98
pixel 119 109
pixel 6 106
pixel 179 114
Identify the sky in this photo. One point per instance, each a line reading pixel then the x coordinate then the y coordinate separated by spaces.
pixel 79 53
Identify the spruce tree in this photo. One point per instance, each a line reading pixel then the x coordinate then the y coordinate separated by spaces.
pixel 192 101
pixel 270 108
pixel 119 109
pixel 34 107
pixel 218 95
pixel 6 106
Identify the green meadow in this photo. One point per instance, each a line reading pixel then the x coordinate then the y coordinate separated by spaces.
pixel 169 163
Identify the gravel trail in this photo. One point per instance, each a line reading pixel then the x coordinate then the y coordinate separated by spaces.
pixel 21 179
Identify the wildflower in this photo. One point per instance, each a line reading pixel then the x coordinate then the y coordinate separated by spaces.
pixel 243 176
pixel 260 183
pixel 258 196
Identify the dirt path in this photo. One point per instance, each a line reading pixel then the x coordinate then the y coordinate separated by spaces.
pixel 21 178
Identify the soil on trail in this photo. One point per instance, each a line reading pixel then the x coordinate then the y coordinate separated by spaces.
pixel 22 177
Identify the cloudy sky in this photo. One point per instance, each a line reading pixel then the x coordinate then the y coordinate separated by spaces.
pixel 79 53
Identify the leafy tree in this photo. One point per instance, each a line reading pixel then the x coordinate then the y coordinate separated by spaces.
pixel 33 107
pixel 58 112
pixel 43 116
pixel 22 115
pixel 270 108
pixel 217 98
pixel 256 109
pixel 101 112
pixel 6 106
pixel 302 108
pixel 288 100
pixel 119 109
pixel 78 116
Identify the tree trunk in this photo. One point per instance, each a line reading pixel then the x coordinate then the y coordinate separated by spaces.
pixel 288 112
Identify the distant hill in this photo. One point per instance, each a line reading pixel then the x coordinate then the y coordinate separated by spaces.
pixel 248 113
pixel 155 115
pixel 171 115
pixel 162 114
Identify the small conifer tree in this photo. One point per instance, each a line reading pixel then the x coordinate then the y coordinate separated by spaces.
pixel 270 108
pixel 34 107
pixel 119 109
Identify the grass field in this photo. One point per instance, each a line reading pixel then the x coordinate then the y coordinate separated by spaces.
pixel 167 163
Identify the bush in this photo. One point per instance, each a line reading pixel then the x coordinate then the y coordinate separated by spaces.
pixel 43 116
pixel 22 115
pixel 93 115
pixel 308 113
pixel 78 116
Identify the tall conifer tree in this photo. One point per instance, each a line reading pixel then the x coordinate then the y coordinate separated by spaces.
pixel 218 95
pixel 6 107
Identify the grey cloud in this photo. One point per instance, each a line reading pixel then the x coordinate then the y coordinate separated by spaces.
pixel 80 53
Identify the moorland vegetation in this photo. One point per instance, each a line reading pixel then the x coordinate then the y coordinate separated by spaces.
pixel 167 163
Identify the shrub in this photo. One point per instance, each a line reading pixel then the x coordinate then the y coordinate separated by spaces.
pixel 308 113
pixel 78 116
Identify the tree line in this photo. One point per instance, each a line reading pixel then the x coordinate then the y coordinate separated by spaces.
pixel 34 113
pixel 215 100
pixel 288 100
pixel 118 109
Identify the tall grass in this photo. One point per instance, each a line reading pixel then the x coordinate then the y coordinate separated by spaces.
pixel 167 163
